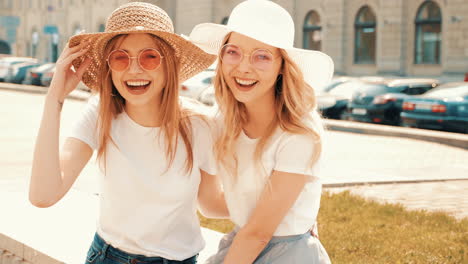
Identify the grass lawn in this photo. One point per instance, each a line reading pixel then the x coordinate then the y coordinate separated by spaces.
pixel 355 230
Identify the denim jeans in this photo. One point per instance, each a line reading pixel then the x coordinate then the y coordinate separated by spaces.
pixel 102 253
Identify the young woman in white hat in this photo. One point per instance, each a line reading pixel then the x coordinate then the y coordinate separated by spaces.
pixel 152 152
pixel 269 144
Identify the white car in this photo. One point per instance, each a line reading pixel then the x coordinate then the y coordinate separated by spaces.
pixel 7 62
pixel 195 85
pixel 207 96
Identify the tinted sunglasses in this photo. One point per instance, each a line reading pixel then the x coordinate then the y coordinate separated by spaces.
pixel 148 59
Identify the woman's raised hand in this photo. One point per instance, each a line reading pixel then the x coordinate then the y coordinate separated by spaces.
pixel 65 78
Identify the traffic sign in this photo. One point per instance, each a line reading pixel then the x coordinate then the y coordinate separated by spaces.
pixel 50 29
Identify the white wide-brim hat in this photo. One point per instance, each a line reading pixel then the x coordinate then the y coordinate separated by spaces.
pixel 271 24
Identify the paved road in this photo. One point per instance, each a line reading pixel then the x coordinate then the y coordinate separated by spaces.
pixel 366 158
pixel 351 158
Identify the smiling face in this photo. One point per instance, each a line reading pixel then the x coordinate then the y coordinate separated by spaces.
pixel 249 84
pixel 138 86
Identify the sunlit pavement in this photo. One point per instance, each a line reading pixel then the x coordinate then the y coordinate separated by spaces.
pixel 65 230
pixel 350 160
pixel 446 196
pixel 359 158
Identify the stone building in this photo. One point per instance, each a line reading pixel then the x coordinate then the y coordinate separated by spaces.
pixel 364 37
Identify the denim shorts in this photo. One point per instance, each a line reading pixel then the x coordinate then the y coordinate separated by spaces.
pixel 102 253
pixel 294 249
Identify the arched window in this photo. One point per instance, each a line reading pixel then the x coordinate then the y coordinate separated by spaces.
pixel 312 31
pixel 365 36
pixel 428 34
pixel 4 47
pixel 225 20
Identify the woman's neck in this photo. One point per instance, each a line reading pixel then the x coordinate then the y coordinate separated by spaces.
pixel 260 116
pixel 144 115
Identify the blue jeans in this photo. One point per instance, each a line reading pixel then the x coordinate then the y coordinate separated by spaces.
pixel 102 253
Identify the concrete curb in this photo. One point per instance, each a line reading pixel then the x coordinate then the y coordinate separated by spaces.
pixel 364 183
pixel 13 251
pixel 452 139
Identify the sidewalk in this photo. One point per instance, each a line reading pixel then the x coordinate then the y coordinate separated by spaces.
pixel 23 228
pixel 25 231
pixel 450 197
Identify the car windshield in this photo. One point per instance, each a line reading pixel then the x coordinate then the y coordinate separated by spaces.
pixel 373 89
pixel 346 89
pixel 207 80
pixel 332 84
pixel 447 92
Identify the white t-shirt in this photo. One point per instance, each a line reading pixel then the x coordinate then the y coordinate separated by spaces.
pixel 286 152
pixel 142 209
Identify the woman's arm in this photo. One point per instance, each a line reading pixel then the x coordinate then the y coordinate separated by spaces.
pixel 53 172
pixel 211 197
pixel 275 201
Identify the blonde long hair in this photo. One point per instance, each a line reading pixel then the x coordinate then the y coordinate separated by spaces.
pixel 174 119
pixel 294 104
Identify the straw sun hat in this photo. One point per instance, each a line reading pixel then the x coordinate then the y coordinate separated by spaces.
pixel 269 23
pixel 138 17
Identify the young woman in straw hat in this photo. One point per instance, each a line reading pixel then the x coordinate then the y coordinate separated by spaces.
pixel 270 137
pixel 154 165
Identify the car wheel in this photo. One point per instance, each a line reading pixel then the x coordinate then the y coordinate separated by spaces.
pixel 342 115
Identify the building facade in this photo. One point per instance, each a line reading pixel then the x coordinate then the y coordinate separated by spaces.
pixel 364 37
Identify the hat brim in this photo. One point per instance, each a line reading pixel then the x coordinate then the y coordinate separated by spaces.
pixel 317 67
pixel 192 59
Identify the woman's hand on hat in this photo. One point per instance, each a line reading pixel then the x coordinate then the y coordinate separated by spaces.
pixel 66 78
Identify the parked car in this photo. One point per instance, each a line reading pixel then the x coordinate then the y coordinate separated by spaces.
pixel 7 62
pixel 46 77
pixel 444 108
pixel 207 96
pixel 381 101
pixel 334 83
pixel 195 85
pixel 334 102
pixel 33 75
pixel 17 72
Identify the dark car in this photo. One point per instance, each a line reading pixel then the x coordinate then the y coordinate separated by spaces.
pixel 34 75
pixel 444 108
pixel 381 101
